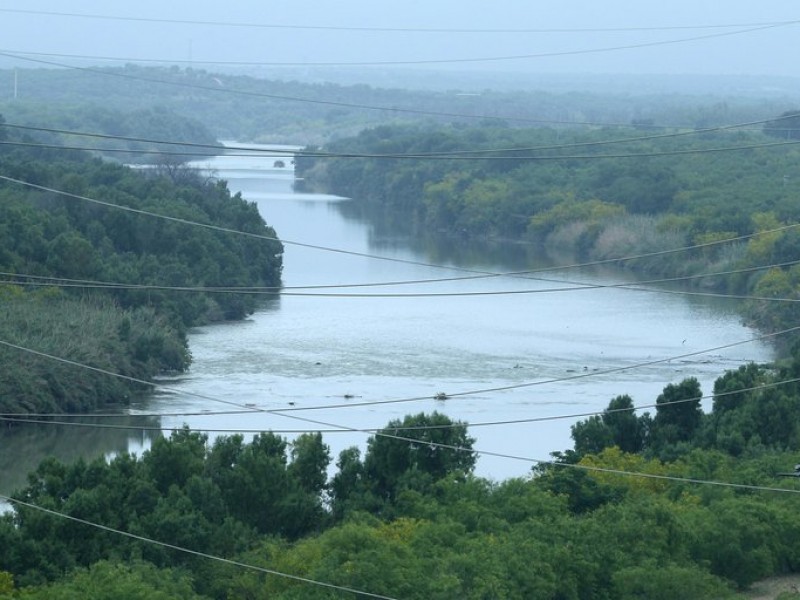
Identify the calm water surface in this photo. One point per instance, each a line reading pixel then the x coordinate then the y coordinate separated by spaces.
pixel 322 359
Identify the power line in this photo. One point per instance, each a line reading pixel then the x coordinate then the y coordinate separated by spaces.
pixel 749 487
pixel 106 136
pixel 530 384
pixel 152 214
pixel 436 30
pixel 555 157
pixel 253 94
pixel 266 237
pixel 217 89
pixel 472 155
pixel 435 61
pixel 566 378
pixel 478 274
pixel 384 433
pixel 39 418
pixel 227 561
pixel 45 281
pixel 582 467
pixel 551 463
pixel 585 468
pixel 284 411
pixel 478 153
pixel 404 261
pixel 158 152
pixel 588 468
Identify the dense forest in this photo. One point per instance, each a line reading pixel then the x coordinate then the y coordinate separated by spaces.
pixel 597 194
pixel 72 262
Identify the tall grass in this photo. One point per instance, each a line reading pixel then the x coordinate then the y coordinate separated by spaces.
pixel 47 340
pixel 652 239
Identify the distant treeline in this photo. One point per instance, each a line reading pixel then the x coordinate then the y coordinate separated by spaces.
pixel 132 326
pixel 283 110
pixel 187 138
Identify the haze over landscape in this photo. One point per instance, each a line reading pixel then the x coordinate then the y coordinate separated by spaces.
pixel 420 300
pixel 575 37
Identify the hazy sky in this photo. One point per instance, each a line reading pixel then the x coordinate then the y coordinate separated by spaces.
pixel 640 49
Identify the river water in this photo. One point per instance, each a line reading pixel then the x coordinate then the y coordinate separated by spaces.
pixel 348 359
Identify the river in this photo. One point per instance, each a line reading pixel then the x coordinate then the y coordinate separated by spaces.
pixel 335 360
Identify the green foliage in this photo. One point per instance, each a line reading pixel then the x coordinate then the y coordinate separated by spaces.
pixel 754 409
pixel 415 451
pixel 135 343
pixel 116 581
pixel 592 436
pixel 581 492
pixel 666 582
pixel 409 520
pixel 180 492
pixel 751 412
pixel 742 547
pixel 627 430
pixel 310 460
pixel 617 426
pixel 412 454
pixel 73 238
pixel 678 414
pixel 136 331
pixel 6 581
pixel 457 536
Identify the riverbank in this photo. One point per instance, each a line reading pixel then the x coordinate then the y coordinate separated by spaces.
pixel 730 231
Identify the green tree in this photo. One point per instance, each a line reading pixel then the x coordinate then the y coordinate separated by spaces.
pixel 310 460
pixel 350 489
pixel 678 414
pixel 71 255
pixel 627 430
pixel 738 537
pixel 174 460
pixel 617 426
pixel 417 451
pixel 592 435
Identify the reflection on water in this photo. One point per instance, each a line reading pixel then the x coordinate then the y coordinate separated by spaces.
pixel 393 231
pixel 23 447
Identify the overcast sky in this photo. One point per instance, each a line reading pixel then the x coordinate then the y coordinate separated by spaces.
pixel 740 49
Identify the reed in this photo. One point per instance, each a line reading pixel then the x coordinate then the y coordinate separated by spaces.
pixel 48 340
